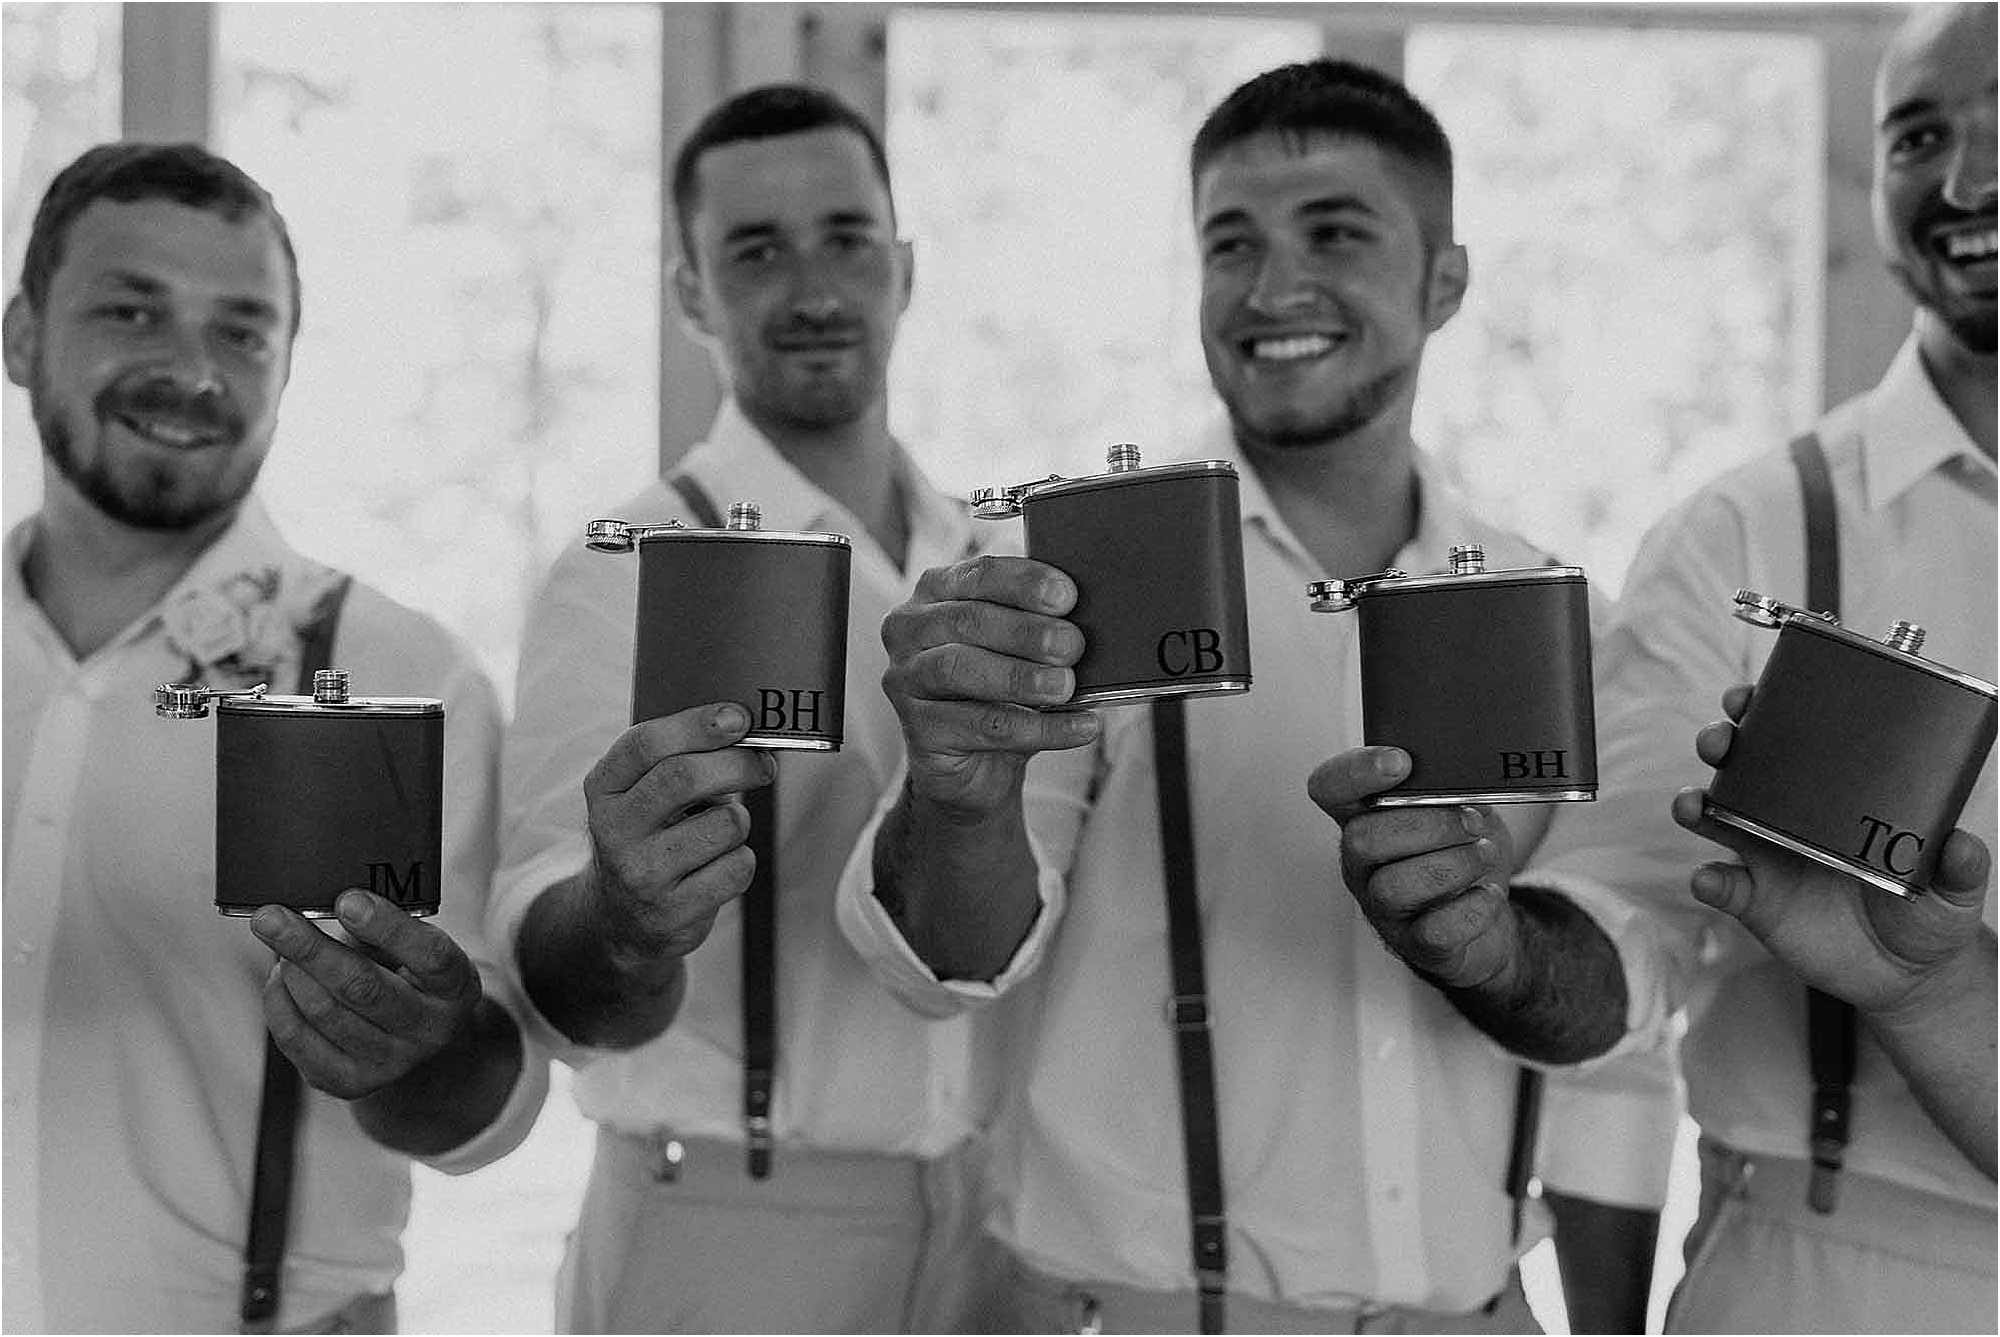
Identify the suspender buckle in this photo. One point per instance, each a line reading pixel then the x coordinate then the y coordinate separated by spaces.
pixel 757 1135
pixel 1188 1012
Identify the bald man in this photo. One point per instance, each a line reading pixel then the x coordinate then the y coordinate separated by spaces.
pixel 1900 1237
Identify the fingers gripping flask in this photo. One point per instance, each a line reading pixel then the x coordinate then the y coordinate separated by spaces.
pixel 317 794
pixel 1157 557
pixel 1854 752
pixel 1483 677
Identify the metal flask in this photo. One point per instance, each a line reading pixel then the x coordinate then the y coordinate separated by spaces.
pixel 317 794
pixel 1483 677
pixel 740 614
pixel 1855 752
pixel 1157 557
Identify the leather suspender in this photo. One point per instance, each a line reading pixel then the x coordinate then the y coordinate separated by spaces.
pixel 1521 1150
pixel 1187 1012
pixel 1830 1023
pixel 760 927
pixel 283 1092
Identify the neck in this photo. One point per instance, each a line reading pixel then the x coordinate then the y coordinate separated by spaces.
pixel 855 464
pixel 1964 378
pixel 1353 501
pixel 94 576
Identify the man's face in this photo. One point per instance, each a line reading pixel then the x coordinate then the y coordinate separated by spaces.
pixel 155 368
pixel 1934 191
pixel 797 275
pixel 1318 290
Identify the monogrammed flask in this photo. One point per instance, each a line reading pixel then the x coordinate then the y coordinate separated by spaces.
pixel 1855 752
pixel 1483 677
pixel 740 614
pixel 1157 557
pixel 317 794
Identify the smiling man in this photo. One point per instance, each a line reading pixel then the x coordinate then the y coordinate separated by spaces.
pixel 624 847
pixel 153 333
pixel 1847 1169
pixel 1361 1125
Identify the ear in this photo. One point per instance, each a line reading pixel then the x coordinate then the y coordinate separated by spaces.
pixel 23 337
pixel 689 297
pixel 907 250
pixel 1445 289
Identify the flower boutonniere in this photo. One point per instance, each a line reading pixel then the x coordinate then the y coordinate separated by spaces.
pixel 237 634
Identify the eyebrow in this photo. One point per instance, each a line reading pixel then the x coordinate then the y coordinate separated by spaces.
pixel 1317 208
pixel 763 228
pixel 1904 110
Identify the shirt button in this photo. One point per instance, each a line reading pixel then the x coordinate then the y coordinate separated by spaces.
pixel 1385 1049
pixel 1392 1194
pixel 24 950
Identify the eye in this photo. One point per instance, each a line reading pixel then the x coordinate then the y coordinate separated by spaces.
pixel 754 253
pixel 1915 141
pixel 1339 234
pixel 130 314
pixel 244 339
pixel 1226 247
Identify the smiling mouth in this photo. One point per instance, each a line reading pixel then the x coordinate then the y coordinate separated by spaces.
pixel 173 435
pixel 1964 246
pixel 1291 347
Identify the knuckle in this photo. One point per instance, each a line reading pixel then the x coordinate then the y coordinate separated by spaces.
pixel 365 989
pixel 995 723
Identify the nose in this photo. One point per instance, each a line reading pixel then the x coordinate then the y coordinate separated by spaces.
pixel 1282 286
pixel 817 307
pixel 191 364
pixel 1968 180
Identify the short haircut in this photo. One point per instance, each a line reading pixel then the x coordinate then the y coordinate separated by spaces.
pixel 126 172
pixel 1329 97
pixel 765 112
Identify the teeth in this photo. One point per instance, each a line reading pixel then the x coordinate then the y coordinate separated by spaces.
pixel 1969 245
pixel 1293 349
pixel 169 434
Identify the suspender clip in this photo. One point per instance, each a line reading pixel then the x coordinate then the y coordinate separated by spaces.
pixel 1188 1012
pixel 757 1134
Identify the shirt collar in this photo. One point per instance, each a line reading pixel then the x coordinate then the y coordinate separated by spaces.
pixel 737 462
pixel 252 541
pixel 1442 513
pixel 1907 431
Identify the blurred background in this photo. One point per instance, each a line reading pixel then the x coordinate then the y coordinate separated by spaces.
pixel 1665 206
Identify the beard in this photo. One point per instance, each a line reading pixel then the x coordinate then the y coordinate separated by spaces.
pixel 153 495
pixel 1361 406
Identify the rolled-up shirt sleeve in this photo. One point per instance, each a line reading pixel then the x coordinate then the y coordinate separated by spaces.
pixel 1055 803
pixel 572 700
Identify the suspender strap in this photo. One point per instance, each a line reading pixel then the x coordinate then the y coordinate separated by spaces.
pixel 1187 1012
pixel 698 501
pixel 1521 1151
pixel 760 992
pixel 1830 1024
pixel 760 926
pixel 283 1091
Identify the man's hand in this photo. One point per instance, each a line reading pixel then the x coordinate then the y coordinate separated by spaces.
pixel 979 661
pixel 601 953
pixel 1431 880
pixel 667 832
pixel 357 1018
pixel 1844 937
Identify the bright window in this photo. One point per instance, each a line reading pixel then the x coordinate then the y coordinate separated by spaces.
pixel 1643 213
pixel 474 193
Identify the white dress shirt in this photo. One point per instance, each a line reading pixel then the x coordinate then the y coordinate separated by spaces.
pixel 134 1030
pixel 856 1070
pixel 1915 500
pixel 1365 1125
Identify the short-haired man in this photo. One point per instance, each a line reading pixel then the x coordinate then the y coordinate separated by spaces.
pixel 624 846
pixel 153 332
pixel 1899 1233
pixel 1363 1127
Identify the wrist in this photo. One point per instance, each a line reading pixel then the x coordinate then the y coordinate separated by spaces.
pixel 1938 989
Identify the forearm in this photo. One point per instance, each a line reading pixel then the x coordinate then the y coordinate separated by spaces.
pixel 1605 1255
pixel 587 973
pixel 1563 998
pixel 454 1095
pixel 1942 1041
pixel 961 887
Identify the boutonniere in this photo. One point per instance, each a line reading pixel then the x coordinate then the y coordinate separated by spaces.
pixel 237 633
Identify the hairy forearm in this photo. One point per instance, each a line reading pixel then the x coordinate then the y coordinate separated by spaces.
pixel 590 975
pixel 1564 999
pixel 454 1095
pixel 962 888
pixel 1943 1043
